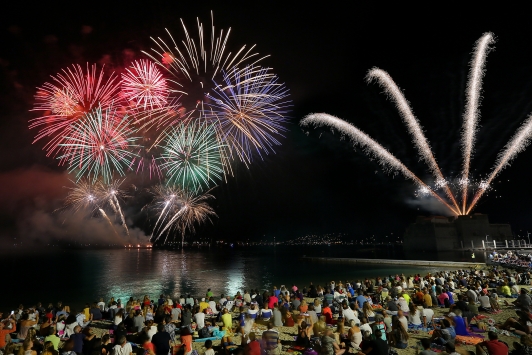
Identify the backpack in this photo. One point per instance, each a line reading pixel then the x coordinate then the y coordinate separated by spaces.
pixel 204 333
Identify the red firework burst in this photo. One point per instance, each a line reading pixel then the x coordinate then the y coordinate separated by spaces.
pixel 71 95
pixel 144 85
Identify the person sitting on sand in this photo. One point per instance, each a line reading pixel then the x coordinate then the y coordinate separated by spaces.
pixel 523 301
pixel 493 346
pixel 271 344
pixel 329 346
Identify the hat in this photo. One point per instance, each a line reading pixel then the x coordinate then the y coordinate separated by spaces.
pixel 203 299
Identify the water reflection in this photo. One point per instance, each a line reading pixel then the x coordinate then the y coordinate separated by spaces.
pixel 138 272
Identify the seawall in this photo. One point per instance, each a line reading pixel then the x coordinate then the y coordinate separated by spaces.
pixel 449 264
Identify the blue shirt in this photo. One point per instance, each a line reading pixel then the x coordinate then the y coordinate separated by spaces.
pixel 361 300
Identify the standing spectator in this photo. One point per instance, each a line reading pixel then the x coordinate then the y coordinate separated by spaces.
pixel 161 340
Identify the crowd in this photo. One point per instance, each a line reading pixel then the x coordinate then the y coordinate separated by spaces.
pixel 367 317
pixel 513 260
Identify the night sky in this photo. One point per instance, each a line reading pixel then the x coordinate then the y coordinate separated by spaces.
pixel 315 184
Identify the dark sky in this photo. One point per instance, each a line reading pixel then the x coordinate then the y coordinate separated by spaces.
pixel 314 184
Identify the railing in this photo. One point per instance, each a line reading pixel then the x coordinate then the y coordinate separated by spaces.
pixel 493 244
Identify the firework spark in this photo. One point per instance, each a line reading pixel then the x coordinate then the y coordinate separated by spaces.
pixel 99 145
pixel 471 114
pixel 191 156
pixel 181 210
pixel 516 145
pixel 387 160
pixel 250 108
pixel 85 195
pixel 110 193
pixel 72 94
pixel 144 86
pixel 419 139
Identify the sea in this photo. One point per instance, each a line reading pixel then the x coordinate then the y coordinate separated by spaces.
pixel 80 276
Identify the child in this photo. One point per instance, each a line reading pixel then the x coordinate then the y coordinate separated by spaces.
pixel 208 346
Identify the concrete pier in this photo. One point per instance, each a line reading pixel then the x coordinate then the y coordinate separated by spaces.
pixel 447 264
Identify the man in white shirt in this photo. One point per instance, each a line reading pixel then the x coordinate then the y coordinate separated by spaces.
pixel 403 306
pixel 349 314
pixel 123 347
pixel 200 319
pixel 485 304
pixel 364 326
pixel 222 300
pixel 229 304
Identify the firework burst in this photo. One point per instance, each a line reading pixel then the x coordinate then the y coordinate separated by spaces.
pixel 110 193
pixel 518 143
pixel 191 156
pixel 144 86
pixel 250 109
pixel 70 96
pixel 99 145
pixel 180 210
pixel 246 101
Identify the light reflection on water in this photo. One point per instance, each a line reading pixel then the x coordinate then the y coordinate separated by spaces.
pixel 80 276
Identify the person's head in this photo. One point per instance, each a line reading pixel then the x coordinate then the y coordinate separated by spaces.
pixel 425 343
pixel 322 319
pixel 271 325
pixel 106 339
pixel 160 327
pixel 445 323
pixel 122 340
pixel 208 343
pixel 252 336
pixel 492 335
pixel 378 334
pixel 400 313
pixel 51 331
pixel 363 320
pixel 9 349
pixel 449 348
pixel 77 329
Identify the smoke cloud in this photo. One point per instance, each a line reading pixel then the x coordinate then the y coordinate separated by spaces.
pixel 32 214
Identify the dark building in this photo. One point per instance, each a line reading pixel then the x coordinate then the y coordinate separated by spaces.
pixel 439 233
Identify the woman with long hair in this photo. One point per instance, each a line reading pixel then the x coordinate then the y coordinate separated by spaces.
pixel 354 335
pixel 303 337
pixel 25 349
pixel 399 334
pixel 368 312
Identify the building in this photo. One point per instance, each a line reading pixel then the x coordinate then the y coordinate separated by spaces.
pixel 437 233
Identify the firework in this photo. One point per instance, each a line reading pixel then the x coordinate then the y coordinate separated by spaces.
pixel 70 96
pixel 419 139
pixel 474 86
pixel 180 210
pixel 518 143
pixel 191 156
pixel 250 109
pixel 515 145
pixel 387 160
pixel 247 102
pixel 99 145
pixel 85 195
pixel 144 85
pixel 110 193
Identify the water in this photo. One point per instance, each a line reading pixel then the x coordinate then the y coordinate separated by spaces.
pixel 76 277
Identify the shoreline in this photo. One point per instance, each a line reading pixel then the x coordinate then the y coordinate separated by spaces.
pixel 451 264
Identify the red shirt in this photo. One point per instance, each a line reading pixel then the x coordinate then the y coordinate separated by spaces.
pixel 496 347
pixel 3 334
pixel 253 348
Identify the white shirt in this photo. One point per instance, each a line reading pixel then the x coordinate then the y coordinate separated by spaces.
pixel 200 319
pixel 348 314
pixel 151 331
pixel 364 327
pixel 485 301
pixel 125 350
pixel 428 313
pixel 416 317
pixel 404 322
pixel 212 305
